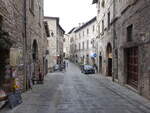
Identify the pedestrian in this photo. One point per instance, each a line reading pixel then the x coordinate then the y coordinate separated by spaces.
pixel 64 65
pixel 33 78
pixel 40 77
pixel 67 64
pixel 95 67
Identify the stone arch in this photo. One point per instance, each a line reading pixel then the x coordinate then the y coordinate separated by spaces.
pixel 109 50
pixel 109 59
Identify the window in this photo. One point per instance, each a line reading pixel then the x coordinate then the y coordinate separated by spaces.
pixel 39 15
pixel 83 33
pixel 31 6
pixel 87 31
pixel 79 46
pixel 108 19
pixel 1 19
pixel 79 36
pixel 93 43
pixel 102 26
pixel 52 34
pixel 98 11
pixel 83 45
pixel 75 47
pixel 87 44
pixel 93 28
pixel 103 3
pixel 129 32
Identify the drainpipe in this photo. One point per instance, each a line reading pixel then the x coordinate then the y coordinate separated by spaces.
pixel 25 45
pixel 114 40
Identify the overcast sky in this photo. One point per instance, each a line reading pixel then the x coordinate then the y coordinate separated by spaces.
pixel 71 12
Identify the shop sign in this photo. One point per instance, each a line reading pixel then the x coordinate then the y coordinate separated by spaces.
pixel 15 56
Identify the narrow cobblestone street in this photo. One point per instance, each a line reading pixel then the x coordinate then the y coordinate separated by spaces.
pixel 73 92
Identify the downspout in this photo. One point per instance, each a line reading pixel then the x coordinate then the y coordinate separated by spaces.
pixel 25 45
pixel 114 38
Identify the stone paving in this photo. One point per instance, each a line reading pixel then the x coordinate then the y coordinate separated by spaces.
pixel 74 92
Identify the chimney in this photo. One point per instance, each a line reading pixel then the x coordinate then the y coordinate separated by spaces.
pixel 80 24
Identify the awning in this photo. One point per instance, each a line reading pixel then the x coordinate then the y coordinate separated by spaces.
pixel 93 55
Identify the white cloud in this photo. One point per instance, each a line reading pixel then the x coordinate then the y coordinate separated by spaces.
pixel 71 12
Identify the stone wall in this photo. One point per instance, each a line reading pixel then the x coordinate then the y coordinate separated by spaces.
pixel 12 23
pixel 24 27
pixel 124 13
pixel 35 32
pixel 138 15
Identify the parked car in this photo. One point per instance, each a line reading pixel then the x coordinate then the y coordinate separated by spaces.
pixel 56 67
pixel 87 69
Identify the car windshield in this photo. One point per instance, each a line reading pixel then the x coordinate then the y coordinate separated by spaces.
pixel 88 67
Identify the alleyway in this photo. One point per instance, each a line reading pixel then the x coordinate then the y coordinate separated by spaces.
pixel 73 92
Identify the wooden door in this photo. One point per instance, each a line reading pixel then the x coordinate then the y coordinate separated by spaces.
pixel 132 66
pixel 100 64
pixel 109 66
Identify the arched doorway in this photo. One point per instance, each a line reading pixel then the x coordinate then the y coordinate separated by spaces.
pixel 35 51
pixel 109 59
pixel 35 57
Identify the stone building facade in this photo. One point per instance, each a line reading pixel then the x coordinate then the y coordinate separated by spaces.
pixel 72 36
pixel 85 39
pixel 22 32
pixel 83 49
pixel 55 41
pixel 66 46
pixel 34 38
pixel 129 40
pixel 11 40
pixel 105 19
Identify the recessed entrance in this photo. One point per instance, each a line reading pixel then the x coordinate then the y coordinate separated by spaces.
pixel 100 64
pixel 132 66
pixel 35 51
pixel 109 59
pixel 35 57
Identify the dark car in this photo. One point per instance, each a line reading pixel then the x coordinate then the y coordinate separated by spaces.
pixel 87 69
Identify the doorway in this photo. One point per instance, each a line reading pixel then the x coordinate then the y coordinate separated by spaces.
pixel 132 66
pixel 100 64
pixel 109 60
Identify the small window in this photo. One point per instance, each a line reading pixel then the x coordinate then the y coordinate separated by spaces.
pixel 83 44
pixel 1 20
pixel 79 46
pixel 103 3
pixel 31 6
pixel 93 28
pixel 87 31
pixel 129 32
pixel 108 20
pixel 87 44
pixel 102 26
pixel 40 16
pixel 79 35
